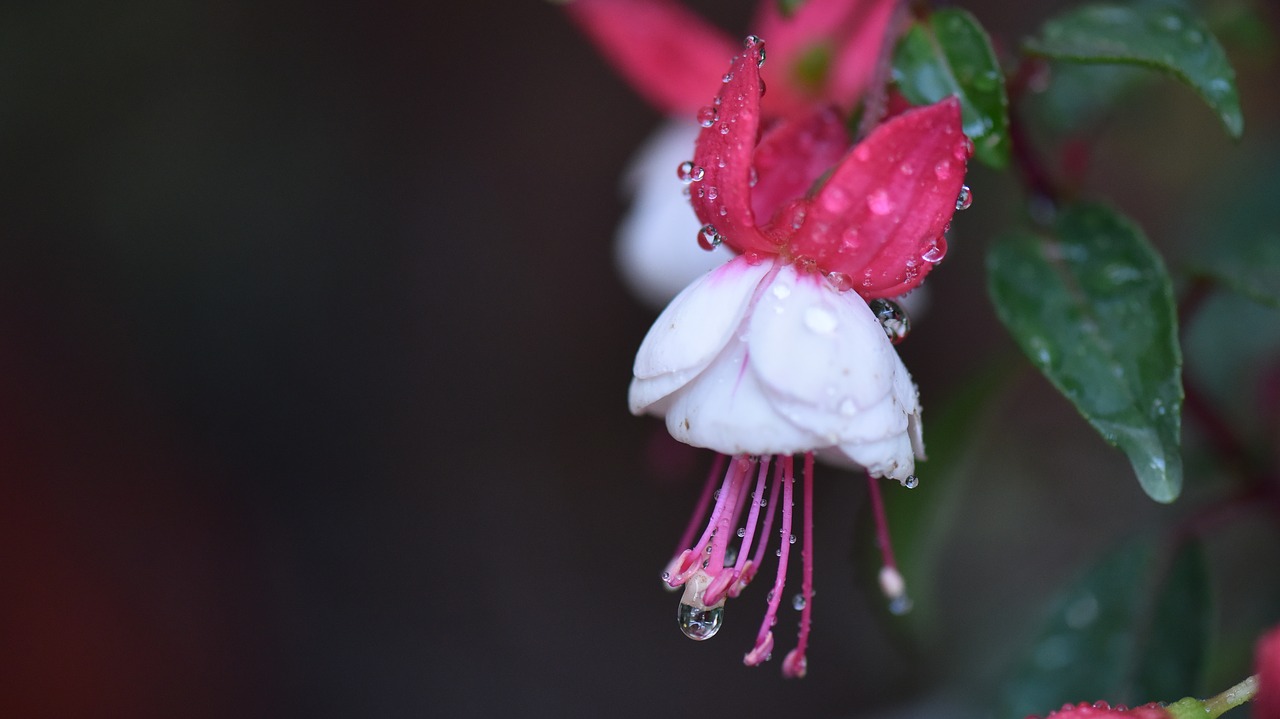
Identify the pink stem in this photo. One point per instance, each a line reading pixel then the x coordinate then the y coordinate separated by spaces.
pixel 723 525
pixel 700 511
pixel 882 524
pixel 780 581
pixel 806 554
pixel 768 516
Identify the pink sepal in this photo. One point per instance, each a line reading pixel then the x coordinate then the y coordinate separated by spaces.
pixel 670 55
pixel 791 156
pixel 880 217
pixel 722 198
pixel 854 29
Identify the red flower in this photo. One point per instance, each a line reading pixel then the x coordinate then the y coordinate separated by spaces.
pixel 1102 710
pixel 1266 703
pixel 874 225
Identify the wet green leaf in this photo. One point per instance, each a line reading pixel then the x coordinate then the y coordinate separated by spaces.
pixel 950 54
pixel 1092 307
pixel 1162 35
pixel 1132 629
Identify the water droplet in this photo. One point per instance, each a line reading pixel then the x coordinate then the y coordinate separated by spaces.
pixel 754 41
pixel 752 176
pixel 708 550
pixel 742 531
pixel 778 553
pixel 707 116
pixel 942 170
pixel 848 408
pixel 911 482
pixel 782 292
pixel 935 251
pixel 708 239
pixel 666 576
pixel 685 171
pixel 717 492
pixel 798 602
pixel 791 539
pixel 713 192
pixel 892 318
pixel 727 77
pixel 819 320
pixel 907 169
pixel 724 128
pixel 964 149
pixel 840 281
pixel 763 502
pixel 730 556
pixel 879 202
pixel 965 199
pixel 699 624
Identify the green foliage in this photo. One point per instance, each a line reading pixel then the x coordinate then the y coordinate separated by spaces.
pixel 789 7
pixel 1163 36
pixel 1092 307
pixel 950 54
pixel 1130 630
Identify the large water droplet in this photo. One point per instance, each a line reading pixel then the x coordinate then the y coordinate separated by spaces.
pixel 892 318
pixel 911 482
pixel 707 116
pixel 699 624
pixel 798 602
pixel 840 281
pixel 935 251
pixel 709 238
pixel 685 171
pixel 965 198
pixel 879 202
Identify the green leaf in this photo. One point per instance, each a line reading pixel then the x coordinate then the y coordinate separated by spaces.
pixel 1161 35
pixel 950 54
pixel 1126 631
pixel 1092 307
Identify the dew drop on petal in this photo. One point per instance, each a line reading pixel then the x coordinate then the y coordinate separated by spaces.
pixel 724 129
pixel 965 199
pixel 699 624
pixel 942 170
pixel 819 320
pixel 798 602
pixel 685 171
pixel 964 149
pixel 911 482
pixel 697 174
pixel 892 318
pixel 840 281
pixel 752 177
pixel 713 192
pixel 879 202
pixel 709 239
pixel 707 116
pixel 727 77
pixel 934 251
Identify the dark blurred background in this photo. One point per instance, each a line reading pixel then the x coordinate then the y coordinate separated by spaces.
pixel 313 374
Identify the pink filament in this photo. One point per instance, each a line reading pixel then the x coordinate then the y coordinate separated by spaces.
pixel 780 580
pixel 700 511
pixel 882 524
pixel 713 596
pixel 795 665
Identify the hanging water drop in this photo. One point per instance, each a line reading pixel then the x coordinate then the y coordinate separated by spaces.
pixel 754 41
pixel 699 624
pixel 840 281
pixel 900 605
pixel 911 482
pixel 708 239
pixel 965 199
pixel 936 250
pixel 892 318
pixel 685 171
pixel 707 116
pixel 798 602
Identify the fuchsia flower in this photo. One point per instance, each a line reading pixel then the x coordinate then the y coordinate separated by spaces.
pixel 822 56
pixel 777 352
pixel 1102 710
pixel 1266 703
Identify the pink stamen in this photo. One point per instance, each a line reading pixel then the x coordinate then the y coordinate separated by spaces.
pixel 795 665
pixel 891 582
pixel 723 524
pixel 691 560
pixel 764 639
pixel 729 581
pixel 700 510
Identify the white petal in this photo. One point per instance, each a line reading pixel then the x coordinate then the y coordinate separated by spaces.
pixel 825 362
pixel 692 331
pixel 726 410
pixel 657 251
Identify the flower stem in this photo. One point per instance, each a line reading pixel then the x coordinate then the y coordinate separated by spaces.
pixel 1232 698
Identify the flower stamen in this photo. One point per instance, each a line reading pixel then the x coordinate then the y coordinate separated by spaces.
pixel 891 581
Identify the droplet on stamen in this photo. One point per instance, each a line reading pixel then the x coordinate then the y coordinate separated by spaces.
pixel 699 624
